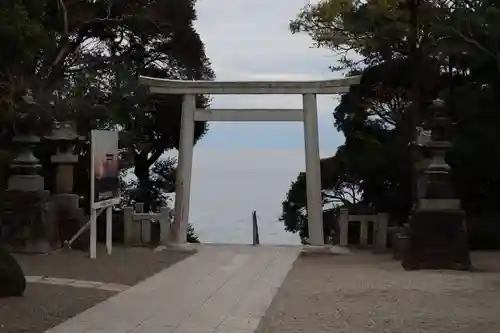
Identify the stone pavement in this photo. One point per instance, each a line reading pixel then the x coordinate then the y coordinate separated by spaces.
pixel 221 289
pixel 77 283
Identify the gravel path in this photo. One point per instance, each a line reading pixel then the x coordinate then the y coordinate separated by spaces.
pixel 362 293
pixel 44 306
pixel 124 265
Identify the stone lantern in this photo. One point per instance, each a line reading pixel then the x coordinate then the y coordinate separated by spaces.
pixel 64 136
pixel 25 167
pixel 67 212
pixel 26 225
pixel 438 237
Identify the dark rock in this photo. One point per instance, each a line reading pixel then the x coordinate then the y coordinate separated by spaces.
pixel 12 280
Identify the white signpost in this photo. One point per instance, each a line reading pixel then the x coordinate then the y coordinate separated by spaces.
pixel 104 184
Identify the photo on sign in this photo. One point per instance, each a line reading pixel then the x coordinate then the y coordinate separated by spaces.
pixel 105 165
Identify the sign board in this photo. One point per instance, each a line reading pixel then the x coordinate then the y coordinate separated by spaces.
pixel 104 169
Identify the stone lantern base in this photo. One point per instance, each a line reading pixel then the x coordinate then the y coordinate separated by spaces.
pixel 27 225
pixel 438 240
pixel 69 218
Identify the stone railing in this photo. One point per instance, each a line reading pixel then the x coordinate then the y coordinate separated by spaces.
pixel 399 241
pixel 380 230
pixel 137 225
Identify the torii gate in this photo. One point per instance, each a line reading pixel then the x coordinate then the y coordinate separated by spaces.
pixel 308 115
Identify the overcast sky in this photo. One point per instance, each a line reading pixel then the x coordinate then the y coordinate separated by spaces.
pixel 250 40
pixel 239 167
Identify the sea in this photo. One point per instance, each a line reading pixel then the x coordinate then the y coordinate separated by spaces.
pixel 228 184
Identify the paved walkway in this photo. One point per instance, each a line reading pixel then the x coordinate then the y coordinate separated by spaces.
pixel 221 289
pixel 77 283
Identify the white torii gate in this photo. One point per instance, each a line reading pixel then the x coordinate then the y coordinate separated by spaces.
pixel 308 115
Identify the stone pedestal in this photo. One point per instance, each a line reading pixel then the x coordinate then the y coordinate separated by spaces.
pixel 438 240
pixel 26 222
pixel 69 218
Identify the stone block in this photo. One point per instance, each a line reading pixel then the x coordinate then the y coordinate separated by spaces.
pixel 438 240
pixel 27 225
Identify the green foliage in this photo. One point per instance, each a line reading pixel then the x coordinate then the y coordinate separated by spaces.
pixel 458 42
pixel 293 215
pixel 80 60
pixel 191 235
pixel 340 189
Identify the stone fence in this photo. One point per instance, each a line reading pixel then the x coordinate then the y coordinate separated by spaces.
pixel 380 228
pixel 137 225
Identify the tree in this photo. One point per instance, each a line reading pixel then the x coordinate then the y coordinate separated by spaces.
pixel 339 190
pixel 151 124
pixel 458 64
pixel 373 163
pixel 81 60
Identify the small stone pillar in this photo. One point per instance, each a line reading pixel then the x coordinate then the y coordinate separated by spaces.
pixel 437 235
pixel 144 223
pixel 131 233
pixel 381 231
pixel 137 229
pixel 344 227
pixel 165 225
pixel 363 234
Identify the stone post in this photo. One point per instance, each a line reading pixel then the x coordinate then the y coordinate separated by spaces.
pixel 145 224
pixel 344 226
pixel 129 234
pixel 381 227
pixel 165 225
pixel 363 236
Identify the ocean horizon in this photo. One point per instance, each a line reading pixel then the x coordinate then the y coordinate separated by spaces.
pixel 228 184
